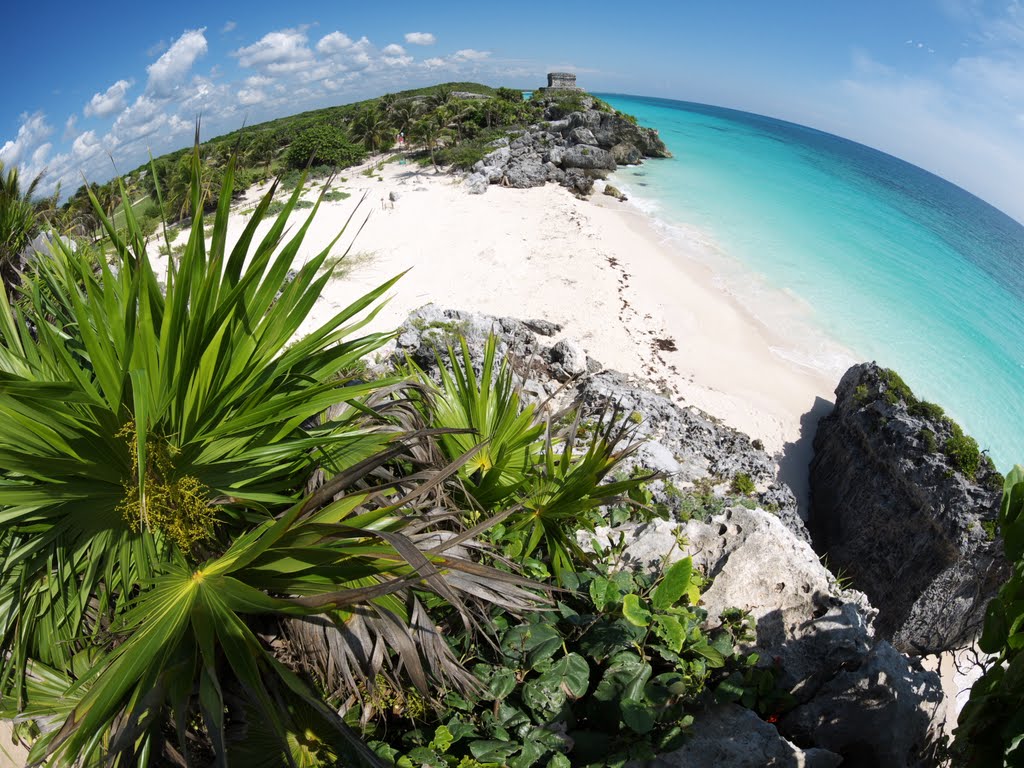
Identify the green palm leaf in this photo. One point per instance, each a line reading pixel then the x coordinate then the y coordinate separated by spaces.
pixel 156 445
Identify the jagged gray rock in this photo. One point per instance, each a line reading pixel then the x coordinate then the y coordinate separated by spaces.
pixel 879 712
pixel 569 358
pixel 626 154
pixel 896 515
pixel 806 621
pixel 582 136
pixel 729 736
pixel 525 171
pixel 571 149
pixel 588 157
pixel 617 129
pixel 706 449
pixel 476 183
pixel 498 158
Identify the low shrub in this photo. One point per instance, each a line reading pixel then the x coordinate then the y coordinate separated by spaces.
pixel 743 485
pixel 612 675
pixel 464 155
pixel 896 388
pixel 323 144
pixel 962 451
pixel 861 394
pixel 927 438
pixel 925 410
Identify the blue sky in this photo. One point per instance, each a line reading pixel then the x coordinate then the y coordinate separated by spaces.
pixel 938 83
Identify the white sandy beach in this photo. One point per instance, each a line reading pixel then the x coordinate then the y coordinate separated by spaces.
pixel 597 267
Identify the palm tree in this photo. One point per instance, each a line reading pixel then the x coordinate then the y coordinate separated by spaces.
pixel 208 547
pixel 262 149
pixel 442 96
pixel 371 128
pixel 387 104
pixel 459 112
pixel 19 220
pixel 403 115
pixel 429 130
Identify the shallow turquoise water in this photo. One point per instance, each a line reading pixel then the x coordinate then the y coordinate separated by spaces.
pixel 850 253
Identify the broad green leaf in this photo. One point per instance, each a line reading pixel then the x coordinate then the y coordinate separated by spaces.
pixel 532 643
pixel 637 715
pixel 604 592
pixel 634 612
pixel 492 751
pixel 544 696
pixel 673 585
pixel 670 631
pixel 995 629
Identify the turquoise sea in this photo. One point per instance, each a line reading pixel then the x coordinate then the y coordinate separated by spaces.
pixel 849 253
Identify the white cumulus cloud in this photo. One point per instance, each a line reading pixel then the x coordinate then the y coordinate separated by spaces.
pixel 31 133
pixel 394 50
pixel 420 38
pixel 110 101
pixel 85 146
pixel 249 96
pixel 468 54
pixel 334 43
pixel 282 51
pixel 172 67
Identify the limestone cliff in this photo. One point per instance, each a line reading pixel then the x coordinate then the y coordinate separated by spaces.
pixel 904 505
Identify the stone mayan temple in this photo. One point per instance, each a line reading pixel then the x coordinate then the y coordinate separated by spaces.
pixel 561 81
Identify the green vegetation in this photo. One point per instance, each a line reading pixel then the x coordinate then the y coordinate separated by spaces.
pixel 861 394
pixel 322 145
pixel 19 220
pixel 925 410
pixel 962 450
pixel 927 438
pixel 342 266
pixel 613 675
pixel 743 485
pixel 526 468
pixel 335 195
pixel 896 389
pixel 990 730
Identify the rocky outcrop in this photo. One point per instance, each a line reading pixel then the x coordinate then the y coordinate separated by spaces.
pixel 818 634
pixel 571 148
pixel 855 696
pixel 903 504
pixel 702 456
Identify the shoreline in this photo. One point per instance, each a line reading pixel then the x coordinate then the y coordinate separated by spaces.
pixel 598 267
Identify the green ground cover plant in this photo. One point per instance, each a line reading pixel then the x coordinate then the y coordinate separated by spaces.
pixel 613 675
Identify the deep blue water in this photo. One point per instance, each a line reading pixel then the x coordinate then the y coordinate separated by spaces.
pixel 850 253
